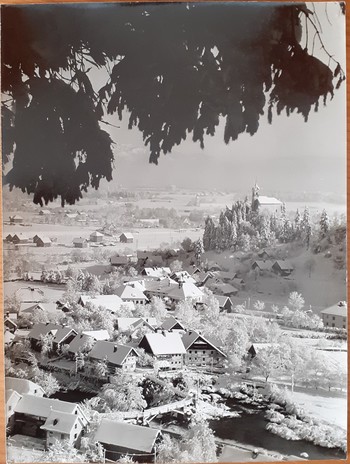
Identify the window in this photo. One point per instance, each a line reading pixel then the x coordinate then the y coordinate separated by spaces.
pixel 75 435
pixel 333 318
pixel 343 326
pixel 196 352
pixel 333 325
pixel 203 359
pixel 76 425
pixel 203 352
pixel 63 436
pixel 212 352
pixel 10 408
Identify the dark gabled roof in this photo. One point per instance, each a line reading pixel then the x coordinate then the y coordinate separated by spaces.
pixel 60 422
pixel 263 265
pixel 129 436
pixel 79 240
pixel 192 336
pixel 81 343
pixel 41 329
pixel 62 333
pixel 111 352
pixel 222 299
pixel 170 322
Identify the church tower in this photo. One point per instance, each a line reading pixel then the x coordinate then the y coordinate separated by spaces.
pixel 255 197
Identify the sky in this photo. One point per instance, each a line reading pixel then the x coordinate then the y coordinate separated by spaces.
pixel 289 155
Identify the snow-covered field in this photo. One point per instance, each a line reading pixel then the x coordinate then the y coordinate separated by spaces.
pixel 329 408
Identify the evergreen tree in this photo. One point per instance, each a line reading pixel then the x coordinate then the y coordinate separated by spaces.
pixel 297 225
pixel 324 224
pixel 306 227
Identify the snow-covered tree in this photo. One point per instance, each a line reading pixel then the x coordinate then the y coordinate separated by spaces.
pixel 296 301
pixel 324 224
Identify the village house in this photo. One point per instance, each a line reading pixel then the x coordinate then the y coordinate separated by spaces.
pixel 10 324
pixel 160 288
pixel 29 309
pixel 96 236
pixel 182 276
pixel 49 419
pixel 80 344
pixel 186 291
pixel 202 277
pixel 262 266
pixel 125 324
pixel 173 325
pixel 222 288
pixel 201 352
pixel 16 219
pixel 336 316
pixel 132 294
pixel 225 303
pixel 39 331
pixel 43 242
pixel 63 336
pixel 121 438
pixel 9 238
pixel 115 356
pixel 126 237
pixel 11 399
pixel 23 386
pixel 283 267
pixel 166 347
pixel 80 242
pixel 21 239
pixel 264 255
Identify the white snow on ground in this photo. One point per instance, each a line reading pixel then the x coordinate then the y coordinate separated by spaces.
pixel 331 409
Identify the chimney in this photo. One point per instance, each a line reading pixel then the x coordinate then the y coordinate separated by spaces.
pixel 115 348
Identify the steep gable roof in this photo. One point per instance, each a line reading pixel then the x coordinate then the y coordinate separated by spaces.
pixel 81 343
pixel 110 302
pixel 112 352
pixel 41 329
pixel 59 421
pixel 187 290
pixel 284 264
pixel 127 292
pixel 170 323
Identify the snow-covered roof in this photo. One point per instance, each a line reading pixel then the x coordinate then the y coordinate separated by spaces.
pixel 161 286
pixel 126 323
pixel 8 337
pixel 96 234
pixel 127 235
pixel 339 309
pixel 127 292
pixel 162 343
pixel 23 386
pixel 79 240
pixel 41 329
pixel 59 421
pixel 111 352
pixel 81 343
pixel 124 435
pixel 187 290
pixel 43 239
pixel 41 407
pixel 97 334
pixel 29 308
pixel 157 271
pixel 110 302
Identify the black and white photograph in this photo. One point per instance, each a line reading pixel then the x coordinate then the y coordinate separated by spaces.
pixel 174 232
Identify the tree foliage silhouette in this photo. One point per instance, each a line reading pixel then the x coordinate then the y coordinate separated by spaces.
pixel 177 68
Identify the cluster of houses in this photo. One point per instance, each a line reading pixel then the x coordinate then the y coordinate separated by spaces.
pixel 170 345
pixel 29 412
pixel 23 239
pixel 97 237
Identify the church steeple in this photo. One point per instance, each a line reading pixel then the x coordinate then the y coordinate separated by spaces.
pixel 255 196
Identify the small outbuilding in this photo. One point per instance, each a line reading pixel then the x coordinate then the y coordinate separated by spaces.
pixel 96 236
pixel 126 237
pixel 80 242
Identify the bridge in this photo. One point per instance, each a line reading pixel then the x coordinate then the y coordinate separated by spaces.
pixel 148 415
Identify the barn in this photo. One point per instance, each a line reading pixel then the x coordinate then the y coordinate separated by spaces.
pixel 126 237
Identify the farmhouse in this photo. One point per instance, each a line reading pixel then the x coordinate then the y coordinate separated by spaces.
pixel 182 276
pixel 8 238
pixel 120 439
pixel 49 419
pixel 63 336
pixel 80 242
pixel 336 316
pixel 166 347
pixel 282 267
pixel 16 219
pixel 30 294
pixel 27 309
pixel 201 352
pixel 96 236
pixel 129 323
pixel 116 356
pixel 126 237
pixel 160 288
